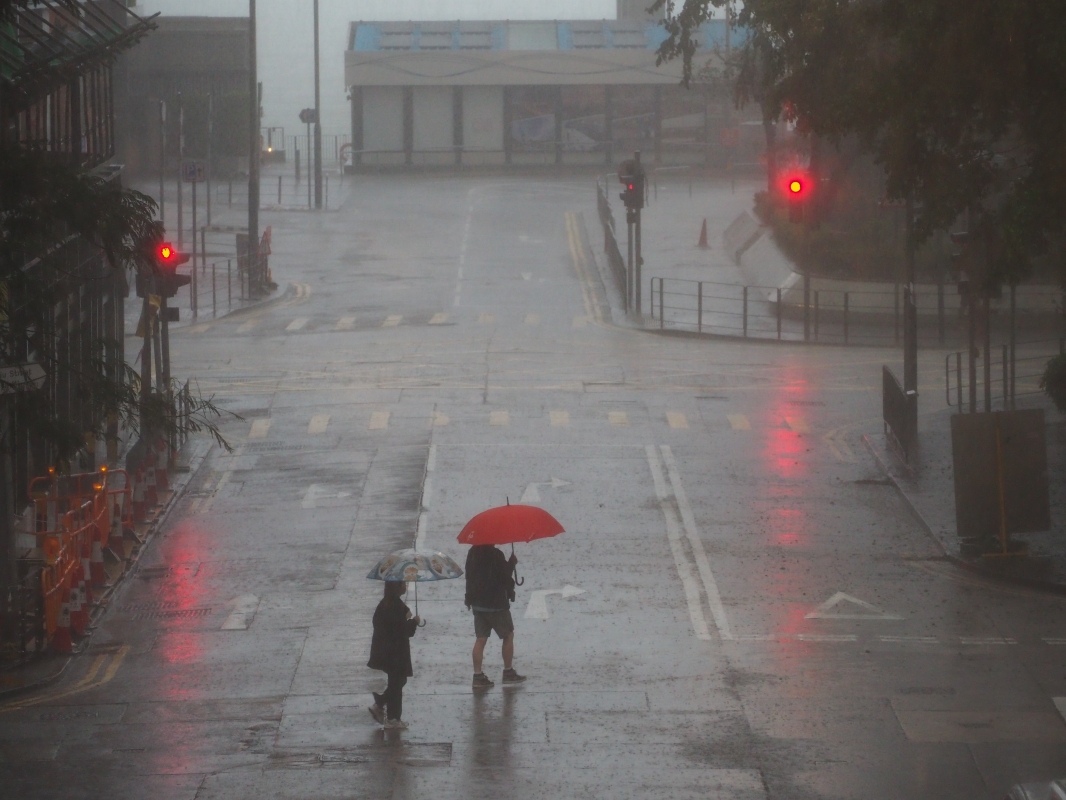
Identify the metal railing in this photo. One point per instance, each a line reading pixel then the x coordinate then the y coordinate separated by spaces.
pixel 1013 375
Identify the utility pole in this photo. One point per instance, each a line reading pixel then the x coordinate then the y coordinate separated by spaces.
pixel 910 309
pixel 638 260
pixel 207 167
pixel 181 159
pixel 255 280
pixel 162 160
pixel 318 121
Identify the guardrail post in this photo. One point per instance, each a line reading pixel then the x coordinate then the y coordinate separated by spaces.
pixel 745 312
pixel 846 317
pixel 779 313
pixel 194 290
pixel 279 190
pixel 214 293
pixel 940 312
pixel 661 324
pixel 699 308
pixel 816 315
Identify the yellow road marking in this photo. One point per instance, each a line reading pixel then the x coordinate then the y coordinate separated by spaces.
pixel 318 424
pixel 559 419
pixel 247 326
pixel 260 428
pixel 392 321
pixel 577 254
pixel 499 418
pixel 84 685
pixel 486 319
pixel 438 319
pixel 345 324
pixel 739 422
pixel 677 420
pixel 296 324
pixel 200 328
pixel 439 420
pixel 379 420
pixel 797 424
pixel 618 417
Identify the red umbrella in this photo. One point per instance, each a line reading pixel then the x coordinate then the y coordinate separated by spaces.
pixel 509 524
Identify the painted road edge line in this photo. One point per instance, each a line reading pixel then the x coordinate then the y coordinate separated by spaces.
pixel 673 535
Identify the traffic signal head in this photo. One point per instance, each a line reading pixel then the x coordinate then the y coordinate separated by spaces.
pixel 795 187
pixel 797 193
pixel 168 281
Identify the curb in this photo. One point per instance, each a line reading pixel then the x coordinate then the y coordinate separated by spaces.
pixel 1049 587
pixel 6 694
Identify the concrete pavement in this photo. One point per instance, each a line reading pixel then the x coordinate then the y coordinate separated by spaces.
pixel 761 615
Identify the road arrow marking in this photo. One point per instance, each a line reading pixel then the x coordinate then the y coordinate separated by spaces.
pixel 244 608
pixel 824 611
pixel 532 495
pixel 315 492
pixel 538 601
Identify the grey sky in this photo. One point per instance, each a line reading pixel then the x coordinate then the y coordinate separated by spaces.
pixel 285 40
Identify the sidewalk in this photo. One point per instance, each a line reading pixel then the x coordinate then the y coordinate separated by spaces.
pixel 46 668
pixel 927 486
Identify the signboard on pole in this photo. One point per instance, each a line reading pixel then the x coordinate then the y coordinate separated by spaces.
pixel 21 378
pixel 193 171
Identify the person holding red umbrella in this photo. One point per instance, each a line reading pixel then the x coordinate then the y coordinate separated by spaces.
pixel 489 590
pixel 491 578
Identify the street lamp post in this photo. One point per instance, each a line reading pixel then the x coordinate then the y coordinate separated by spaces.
pixel 255 280
pixel 318 120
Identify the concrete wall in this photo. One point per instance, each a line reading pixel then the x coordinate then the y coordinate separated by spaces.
pixel 483 124
pixel 433 125
pixel 383 124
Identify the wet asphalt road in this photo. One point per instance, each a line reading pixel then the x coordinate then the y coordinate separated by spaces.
pixel 758 615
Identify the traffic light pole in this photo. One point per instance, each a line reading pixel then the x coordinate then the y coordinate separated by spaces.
pixel 318 121
pixel 181 159
pixel 630 219
pixel 638 261
pixel 255 280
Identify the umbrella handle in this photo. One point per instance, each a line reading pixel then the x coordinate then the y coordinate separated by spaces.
pixel 422 624
pixel 518 581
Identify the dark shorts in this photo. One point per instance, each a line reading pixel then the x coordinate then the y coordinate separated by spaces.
pixel 485 622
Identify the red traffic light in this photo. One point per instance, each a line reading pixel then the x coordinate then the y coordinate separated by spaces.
pixel 167 253
pixel 795 186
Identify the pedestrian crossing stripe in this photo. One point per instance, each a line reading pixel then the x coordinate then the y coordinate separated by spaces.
pixel 438 319
pixel 739 422
pixel 247 326
pixel 318 424
pixel 200 328
pixel 379 420
pixel 797 424
pixel 392 321
pixel 297 324
pixel 259 429
pixel 559 419
pixel 439 420
pixel 499 418
pixel 618 417
pixel 345 324
pixel 676 420
pixel 580 321
pixel 486 319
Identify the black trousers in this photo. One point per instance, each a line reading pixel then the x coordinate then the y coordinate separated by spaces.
pixel 392 699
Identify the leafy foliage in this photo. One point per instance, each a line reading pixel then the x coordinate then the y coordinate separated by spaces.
pixel 1053 381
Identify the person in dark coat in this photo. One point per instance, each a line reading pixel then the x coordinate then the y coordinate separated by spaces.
pixel 489 590
pixel 390 652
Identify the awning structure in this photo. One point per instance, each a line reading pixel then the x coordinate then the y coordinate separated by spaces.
pixel 45 44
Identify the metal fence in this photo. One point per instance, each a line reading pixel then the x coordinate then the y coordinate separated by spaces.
pixel 1002 378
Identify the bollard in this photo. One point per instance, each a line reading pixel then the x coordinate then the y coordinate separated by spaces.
pixel 162 479
pixel 61 640
pixel 214 293
pixel 699 309
pixel 779 313
pixel 845 317
pixel 229 283
pixel 745 312
pixel 151 496
pixel 816 315
pixel 279 190
pixel 96 566
pixel 661 323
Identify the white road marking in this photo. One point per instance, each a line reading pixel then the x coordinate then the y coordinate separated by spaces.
pixel 318 424
pixel 247 326
pixel 499 418
pixel 827 637
pixel 527 275
pixel 918 639
pixel 824 611
pixel 532 495
pixel 206 505
pixel 427 498
pixel 532 319
pixel 797 424
pixel 438 319
pixel 538 602
pixel 200 328
pixel 316 492
pixel 439 420
pixel 710 586
pixel 296 324
pixel 379 420
pixel 462 249
pixel 983 640
pixel 260 428
pixel 1054 640
pixel 673 536
pixel 345 324
pixel 486 319
pixel 240 618
pixel 676 420
pixel 559 419
pixel 739 422
pixel 618 417
pixel 1060 704
pixel 839 446
pixel 392 320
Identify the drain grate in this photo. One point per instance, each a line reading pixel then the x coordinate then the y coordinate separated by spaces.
pixel 153 606
pixel 806 403
pixel 176 613
pixel 273 447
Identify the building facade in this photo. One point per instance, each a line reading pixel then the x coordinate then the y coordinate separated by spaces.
pixel 540 92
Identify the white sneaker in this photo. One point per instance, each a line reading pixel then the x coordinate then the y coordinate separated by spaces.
pixel 395 725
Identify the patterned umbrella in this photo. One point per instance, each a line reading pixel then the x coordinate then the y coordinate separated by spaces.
pixel 414 566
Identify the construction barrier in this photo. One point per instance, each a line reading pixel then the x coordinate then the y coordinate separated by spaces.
pixel 77 517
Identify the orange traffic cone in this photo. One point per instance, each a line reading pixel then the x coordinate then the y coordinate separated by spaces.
pixel 96 566
pixel 61 641
pixel 703 235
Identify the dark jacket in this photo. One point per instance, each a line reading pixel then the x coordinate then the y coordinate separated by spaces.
pixel 488 578
pixel 390 649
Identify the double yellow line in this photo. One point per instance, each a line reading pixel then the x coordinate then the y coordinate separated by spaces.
pixel 581 264
pixel 100 667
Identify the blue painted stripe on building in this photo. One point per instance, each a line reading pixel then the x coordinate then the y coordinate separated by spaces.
pixel 499 36
pixel 367 37
pixel 457 36
pixel 564 35
pixel 416 37
pixel 608 35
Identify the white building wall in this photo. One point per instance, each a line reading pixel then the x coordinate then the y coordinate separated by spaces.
pixel 382 120
pixel 482 124
pixel 433 125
